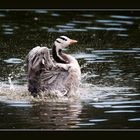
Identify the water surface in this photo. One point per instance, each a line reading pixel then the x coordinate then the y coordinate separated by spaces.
pixel 108 51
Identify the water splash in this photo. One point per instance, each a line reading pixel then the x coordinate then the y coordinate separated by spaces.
pixel 13 93
pixel 10 82
pixel 87 93
pixel 96 93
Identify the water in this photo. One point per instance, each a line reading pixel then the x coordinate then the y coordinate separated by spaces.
pixel 108 52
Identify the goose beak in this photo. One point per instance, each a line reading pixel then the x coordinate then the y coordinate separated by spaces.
pixel 73 41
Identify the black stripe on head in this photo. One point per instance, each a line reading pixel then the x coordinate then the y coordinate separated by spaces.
pixel 58 41
pixel 63 38
pixel 56 56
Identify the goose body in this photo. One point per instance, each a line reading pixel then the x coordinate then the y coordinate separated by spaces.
pixel 61 72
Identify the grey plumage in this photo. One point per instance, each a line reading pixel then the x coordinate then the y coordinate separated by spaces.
pixel 45 74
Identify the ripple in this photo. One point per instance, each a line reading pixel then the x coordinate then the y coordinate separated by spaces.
pixel 116 103
pixel 71 24
pixel 113 24
pixel 116 70
pixel 95 28
pixel 98 120
pixel 75 30
pixel 129 94
pixel 114 51
pixel 115 21
pixel 137 57
pixel 124 17
pixel 15 102
pixel 102 106
pixel 92 76
pixel 134 119
pixel 90 59
pixel 64 26
pixel 138 78
pixel 41 11
pixel 120 111
pixel 8 33
pixel 123 35
pixel 101 94
pixel 89 49
pixel 5 25
pixel 108 29
pixel 83 55
pixel 85 124
pixel 13 60
pixel 104 21
pixel 20 105
pixel 116 29
pixel 137 49
pixel 44 28
pixel 87 15
pixel 55 15
pixel 82 22
pixel 100 61
pixel 8 29
pixel 2 15
pixel 125 106
pixel 54 30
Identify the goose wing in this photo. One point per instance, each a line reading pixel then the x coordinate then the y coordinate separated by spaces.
pixel 43 72
pixel 54 78
pixel 36 59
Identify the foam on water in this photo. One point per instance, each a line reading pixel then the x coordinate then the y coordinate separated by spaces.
pixel 95 93
pixel 13 94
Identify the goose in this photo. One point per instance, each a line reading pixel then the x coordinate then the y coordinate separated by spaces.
pixel 57 72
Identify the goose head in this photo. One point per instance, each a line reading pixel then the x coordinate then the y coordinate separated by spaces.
pixel 63 42
pixel 59 44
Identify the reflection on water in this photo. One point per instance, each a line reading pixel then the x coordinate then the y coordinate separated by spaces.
pixel 108 52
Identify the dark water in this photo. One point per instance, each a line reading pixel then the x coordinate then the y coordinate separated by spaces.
pixel 108 52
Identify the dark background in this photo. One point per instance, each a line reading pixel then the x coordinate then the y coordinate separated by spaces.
pixel 71 4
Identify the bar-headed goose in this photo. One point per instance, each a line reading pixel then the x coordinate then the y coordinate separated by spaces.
pixel 61 72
